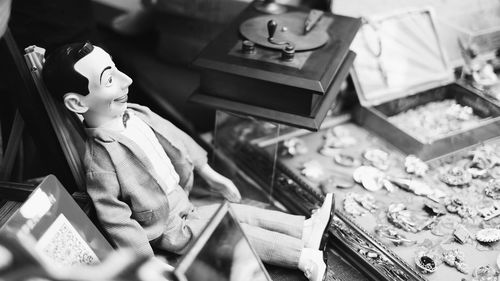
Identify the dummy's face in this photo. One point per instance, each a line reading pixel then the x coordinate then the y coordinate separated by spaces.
pixel 108 87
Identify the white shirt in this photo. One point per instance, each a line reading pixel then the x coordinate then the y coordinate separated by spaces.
pixel 140 133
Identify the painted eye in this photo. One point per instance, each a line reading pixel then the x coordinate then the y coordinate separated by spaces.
pixel 109 81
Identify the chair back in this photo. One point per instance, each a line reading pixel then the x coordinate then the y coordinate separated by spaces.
pixel 57 133
pixel 67 125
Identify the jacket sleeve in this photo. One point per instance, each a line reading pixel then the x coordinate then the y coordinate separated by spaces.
pixel 114 214
pixel 196 153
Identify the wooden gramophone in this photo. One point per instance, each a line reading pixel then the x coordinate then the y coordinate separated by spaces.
pixel 285 67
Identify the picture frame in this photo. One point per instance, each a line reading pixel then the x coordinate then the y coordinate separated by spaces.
pixel 221 252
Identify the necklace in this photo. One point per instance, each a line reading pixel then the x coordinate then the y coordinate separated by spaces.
pixel 374 46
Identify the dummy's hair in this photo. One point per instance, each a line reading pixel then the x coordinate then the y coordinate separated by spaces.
pixel 59 72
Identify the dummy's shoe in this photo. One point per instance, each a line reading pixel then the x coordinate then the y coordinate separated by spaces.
pixel 322 219
pixel 313 265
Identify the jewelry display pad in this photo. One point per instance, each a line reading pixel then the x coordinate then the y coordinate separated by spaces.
pixel 355 235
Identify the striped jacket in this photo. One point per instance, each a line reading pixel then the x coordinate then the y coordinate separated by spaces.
pixel 129 199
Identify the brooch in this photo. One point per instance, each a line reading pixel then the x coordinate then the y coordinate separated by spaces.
pixel 399 216
pixel 455 176
pixel 292 147
pixel 490 212
pixel 485 273
pixel 312 170
pixel 357 204
pixel 414 165
pixel 434 209
pixel 456 205
pixel 418 187
pixel 495 172
pixel 339 137
pixel 389 233
pixel 336 181
pixel 484 157
pixel 377 158
pixel 426 263
pixel 456 258
pixel 346 160
pixel 370 178
pixel 488 235
pixel 493 189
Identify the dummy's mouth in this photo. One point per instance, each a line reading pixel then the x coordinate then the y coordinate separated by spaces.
pixel 122 99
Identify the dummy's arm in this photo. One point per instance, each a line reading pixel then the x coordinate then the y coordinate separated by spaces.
pixel 219 183
pixel 198 156
pixel 115 215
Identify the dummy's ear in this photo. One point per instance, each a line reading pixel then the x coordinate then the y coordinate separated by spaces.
pixel 74 102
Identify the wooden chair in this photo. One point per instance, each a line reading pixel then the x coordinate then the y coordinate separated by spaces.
pixel 57 133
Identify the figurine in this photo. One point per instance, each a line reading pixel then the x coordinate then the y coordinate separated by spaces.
pixel 139 170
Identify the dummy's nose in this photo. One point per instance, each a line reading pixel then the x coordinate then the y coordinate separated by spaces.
pixel 125 79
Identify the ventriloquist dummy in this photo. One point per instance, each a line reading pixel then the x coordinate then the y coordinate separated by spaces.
pixel 139 171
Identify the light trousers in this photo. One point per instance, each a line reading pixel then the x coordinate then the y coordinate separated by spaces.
pixel 275 236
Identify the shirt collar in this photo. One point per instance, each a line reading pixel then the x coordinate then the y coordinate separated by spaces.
pixel 108 131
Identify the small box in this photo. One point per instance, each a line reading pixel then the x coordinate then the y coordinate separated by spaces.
pixel 400 66
pixel 477 26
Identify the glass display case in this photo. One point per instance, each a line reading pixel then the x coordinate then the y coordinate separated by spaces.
pixel 413 202
pixel 398 218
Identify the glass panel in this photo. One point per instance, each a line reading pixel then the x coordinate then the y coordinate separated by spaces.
pixel 236 139
pixel 221 253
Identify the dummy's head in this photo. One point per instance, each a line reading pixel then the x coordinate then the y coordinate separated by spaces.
pixel 85 78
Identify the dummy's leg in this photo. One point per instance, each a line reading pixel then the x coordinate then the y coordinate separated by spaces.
pixel 271 220
pixel 281 222
pixel 274 247
pixel 310 231
pixel 287 251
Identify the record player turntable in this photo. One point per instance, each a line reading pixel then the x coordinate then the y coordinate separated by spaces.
pixel 284 67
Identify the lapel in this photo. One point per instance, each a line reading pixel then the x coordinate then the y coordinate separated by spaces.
pixel 107 137
pixel 137 152
pixel 164 129
pixel 165 133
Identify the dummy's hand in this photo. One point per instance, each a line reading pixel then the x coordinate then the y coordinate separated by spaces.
pixel 220 184
pixel 155 269
pixel 226 188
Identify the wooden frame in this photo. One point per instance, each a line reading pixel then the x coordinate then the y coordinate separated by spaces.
pixel 223 216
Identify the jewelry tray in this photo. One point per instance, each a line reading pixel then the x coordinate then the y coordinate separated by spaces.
pixel 400 65
pixel 354 236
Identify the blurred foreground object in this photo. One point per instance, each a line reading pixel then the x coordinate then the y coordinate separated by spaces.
pixel 4 15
